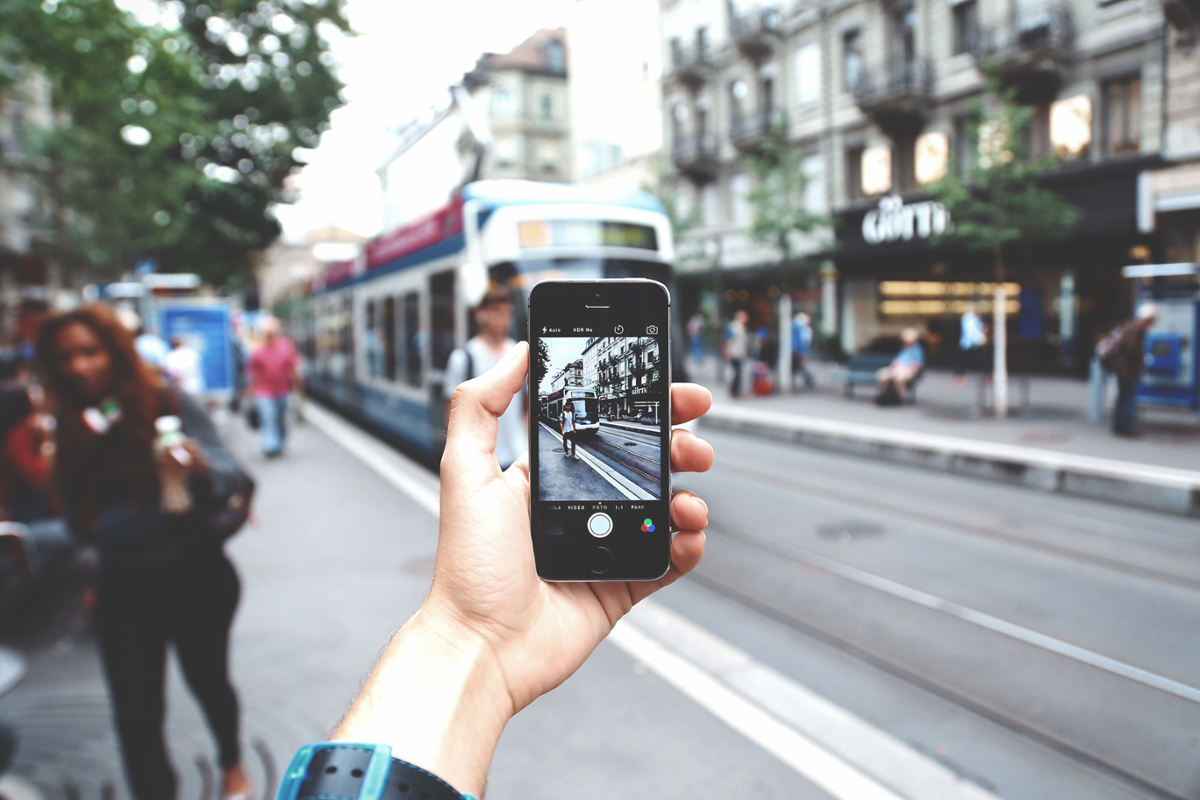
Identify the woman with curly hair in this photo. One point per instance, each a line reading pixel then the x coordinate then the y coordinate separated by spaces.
pixel 162 579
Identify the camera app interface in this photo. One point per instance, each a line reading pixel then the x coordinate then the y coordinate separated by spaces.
pixel 601 418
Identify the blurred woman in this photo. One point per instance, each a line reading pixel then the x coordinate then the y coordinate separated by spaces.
pixel 161 579
pixel 26 455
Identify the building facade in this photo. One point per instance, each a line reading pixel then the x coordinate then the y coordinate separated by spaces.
pixel 882 99
pixel 524 95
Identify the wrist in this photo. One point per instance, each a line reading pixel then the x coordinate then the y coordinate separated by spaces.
pixel 438 698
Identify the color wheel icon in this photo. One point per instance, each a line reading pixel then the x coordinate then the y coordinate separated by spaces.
pixel 647 526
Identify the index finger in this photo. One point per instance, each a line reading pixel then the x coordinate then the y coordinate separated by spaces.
pixel 689 401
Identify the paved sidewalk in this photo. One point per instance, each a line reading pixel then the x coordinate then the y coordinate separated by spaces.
pixel 1055 419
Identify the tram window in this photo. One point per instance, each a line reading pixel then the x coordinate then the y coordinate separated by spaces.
pixel 412 339
pixel 388 335
pixel 372 347
pixel 441 318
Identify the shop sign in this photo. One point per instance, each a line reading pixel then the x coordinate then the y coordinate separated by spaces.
pixel 894 221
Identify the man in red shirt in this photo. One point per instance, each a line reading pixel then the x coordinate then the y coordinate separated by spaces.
pixel 272 374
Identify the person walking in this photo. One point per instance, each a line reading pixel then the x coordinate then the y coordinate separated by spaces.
pixel 566 424
pixel 272 374
pixel 183 367
pixel 802 336
pixel 1127 362
pixel 164 577
pixel 737 347
pixel 494 315
pixel 971 339
pixel 695 333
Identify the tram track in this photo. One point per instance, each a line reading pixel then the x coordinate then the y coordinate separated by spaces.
pixel 1178 565
pixel 758 597
pixel 607 448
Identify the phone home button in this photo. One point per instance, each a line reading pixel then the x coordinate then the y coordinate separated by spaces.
pixel 600 525
pixel 600 560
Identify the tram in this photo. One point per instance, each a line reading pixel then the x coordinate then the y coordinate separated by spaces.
pixel 585 403
pixel 377 332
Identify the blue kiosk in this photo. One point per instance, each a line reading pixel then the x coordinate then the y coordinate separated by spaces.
pixel 1172 376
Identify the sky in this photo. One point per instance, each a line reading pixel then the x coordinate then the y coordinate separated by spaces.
pixel 563 350
pixel 406 54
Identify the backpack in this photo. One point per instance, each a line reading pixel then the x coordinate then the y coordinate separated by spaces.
pixel 1107 348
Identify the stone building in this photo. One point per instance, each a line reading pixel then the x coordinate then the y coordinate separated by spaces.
pixel 524 93
pixel 880 97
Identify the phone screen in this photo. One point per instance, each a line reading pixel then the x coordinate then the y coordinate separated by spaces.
pixel 600 428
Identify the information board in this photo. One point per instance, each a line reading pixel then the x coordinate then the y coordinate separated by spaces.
pixel 206 326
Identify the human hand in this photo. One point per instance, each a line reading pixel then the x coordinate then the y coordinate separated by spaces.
pixel 491 636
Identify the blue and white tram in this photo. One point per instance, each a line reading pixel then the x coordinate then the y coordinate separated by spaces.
pixel 583 401
pixel 377 332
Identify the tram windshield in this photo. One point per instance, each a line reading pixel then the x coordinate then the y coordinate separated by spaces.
pixel 587 409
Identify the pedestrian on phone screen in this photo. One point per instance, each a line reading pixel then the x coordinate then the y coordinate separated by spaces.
pixel 494 316
pixel 161 579
pixel 567 425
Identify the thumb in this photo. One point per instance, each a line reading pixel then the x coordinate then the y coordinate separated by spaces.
pixel 475 410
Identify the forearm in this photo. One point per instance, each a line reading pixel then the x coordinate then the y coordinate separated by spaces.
pixel 438 698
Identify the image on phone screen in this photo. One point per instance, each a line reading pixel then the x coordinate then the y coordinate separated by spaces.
pixel 601 410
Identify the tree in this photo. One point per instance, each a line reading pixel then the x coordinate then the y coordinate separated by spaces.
pixel 1000 201
pixel 781 216
pixel 174 135
pixel 541 364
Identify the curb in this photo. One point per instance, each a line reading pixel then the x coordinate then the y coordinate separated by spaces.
pixel 1165 489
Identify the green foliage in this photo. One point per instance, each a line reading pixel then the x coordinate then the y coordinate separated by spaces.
pixel 541 364
pixel 1000 199
pixel 226 91
pixel 778 201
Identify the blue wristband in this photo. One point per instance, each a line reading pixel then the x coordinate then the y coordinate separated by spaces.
pixel 355 771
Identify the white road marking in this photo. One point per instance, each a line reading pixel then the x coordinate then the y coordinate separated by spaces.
pixel 1010 629
pixel 836 751
pixel 622 484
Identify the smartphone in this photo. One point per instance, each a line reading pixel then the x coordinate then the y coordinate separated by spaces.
pixel 600 429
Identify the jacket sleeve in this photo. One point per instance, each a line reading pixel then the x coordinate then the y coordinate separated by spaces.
pixel 226 475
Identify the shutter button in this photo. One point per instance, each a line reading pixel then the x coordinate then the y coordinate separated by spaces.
pixel 599 525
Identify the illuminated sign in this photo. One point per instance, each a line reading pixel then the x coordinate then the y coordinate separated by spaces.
pixel 1071 125
pixel 933 157
pixel 585 233
pixel 894 221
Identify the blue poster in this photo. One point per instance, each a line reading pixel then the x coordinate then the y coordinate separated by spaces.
pixel 208 328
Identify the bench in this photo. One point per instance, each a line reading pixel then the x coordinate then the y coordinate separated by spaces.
pixel 861 369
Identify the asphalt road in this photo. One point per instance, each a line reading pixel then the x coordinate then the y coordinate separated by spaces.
pixel 1034 645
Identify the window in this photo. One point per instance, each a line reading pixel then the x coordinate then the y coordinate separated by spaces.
pixel 739 187
pixel 388 334
pixel 503 105
pixel 737 98
pixel 702 43
pixel 547 106
pixel 904 34
pixel 766 96
pixel 372 346
pixel 852 59
pixel 556 56
pixel 808 74
pixel 1122 99
pixel 966 145
pixel 966 26
pixel 854 159
pixel 904 163
pixel 676 51
pixel 710 205
pixel 814 189
pixel 411 345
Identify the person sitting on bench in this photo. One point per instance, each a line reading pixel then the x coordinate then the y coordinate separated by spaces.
pixel 896 378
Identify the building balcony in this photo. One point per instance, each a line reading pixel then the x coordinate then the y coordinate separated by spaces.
pixel 692 65
pixel 696 157
pixel 1032 51
pixel 757 32
pixel 897 97
pixel 749 131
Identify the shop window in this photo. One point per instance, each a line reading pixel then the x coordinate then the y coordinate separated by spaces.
pixel 966 26
pixel 1122 115
pixel 852 59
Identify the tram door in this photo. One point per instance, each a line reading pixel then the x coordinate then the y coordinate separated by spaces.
pixel 441 340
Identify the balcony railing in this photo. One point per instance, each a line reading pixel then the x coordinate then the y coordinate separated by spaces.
pixel 897 97
pixel 756 32
pixel 748 131
pixel 696 156
pixel 1032 49
pixel 690 64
